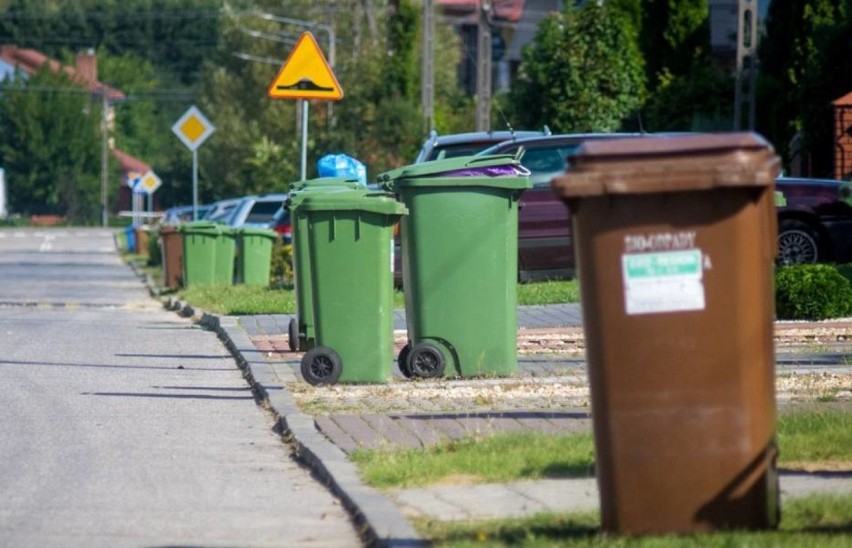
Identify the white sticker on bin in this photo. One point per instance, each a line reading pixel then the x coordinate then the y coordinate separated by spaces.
pixel 668 281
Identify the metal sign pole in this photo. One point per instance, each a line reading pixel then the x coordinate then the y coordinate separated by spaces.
pixel 194 184
pixel 150 207
pixel 304 139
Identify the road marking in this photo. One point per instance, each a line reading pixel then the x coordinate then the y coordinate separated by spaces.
pixel 46 245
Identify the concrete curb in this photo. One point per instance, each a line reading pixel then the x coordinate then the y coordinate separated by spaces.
pixel 381 523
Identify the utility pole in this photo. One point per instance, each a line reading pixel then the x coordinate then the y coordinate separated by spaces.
pixel 427 81
pixel 483 67
pixel 104 159
pixel 744 92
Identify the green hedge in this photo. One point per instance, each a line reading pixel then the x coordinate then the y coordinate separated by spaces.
pixel 812 292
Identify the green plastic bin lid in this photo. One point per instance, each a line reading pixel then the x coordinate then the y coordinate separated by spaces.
pixel 295 198
pixel 199 226
pixel 256 231
pixel 324 182
pixel 499 170
pixel 354 200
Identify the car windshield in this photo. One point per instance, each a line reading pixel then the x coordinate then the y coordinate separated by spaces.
pixel 457 150
pixel 543 161
pixel 262 212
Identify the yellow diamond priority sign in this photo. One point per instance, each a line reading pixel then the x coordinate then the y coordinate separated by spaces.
pixel 305 74
pixel 193 128
pixel 149 183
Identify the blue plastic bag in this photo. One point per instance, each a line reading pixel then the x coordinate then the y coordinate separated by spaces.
pixel 341 165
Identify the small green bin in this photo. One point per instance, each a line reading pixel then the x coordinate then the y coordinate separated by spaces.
pixel 460 264
pixel 254 255
pixel 301 328
pixel 349 235
pixel 226 246
pixel 200 243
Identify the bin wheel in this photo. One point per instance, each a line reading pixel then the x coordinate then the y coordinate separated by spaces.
pixel 293 335
pixel 321 365
pixel 426 360
pixel 402 361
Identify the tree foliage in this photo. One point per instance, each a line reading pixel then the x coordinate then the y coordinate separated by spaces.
pixel 805 63
pixel 50 147
pixel 675 35
pixel 582 73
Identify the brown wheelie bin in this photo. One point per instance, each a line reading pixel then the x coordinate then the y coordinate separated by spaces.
pixel 675 239
pixel 172 253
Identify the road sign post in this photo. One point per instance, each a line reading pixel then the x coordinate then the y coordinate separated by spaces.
pixel 148 184
pixel 193 128
pixel 305 75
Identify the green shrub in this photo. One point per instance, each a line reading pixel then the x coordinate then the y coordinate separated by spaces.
pixel 812 292
pixel 281 270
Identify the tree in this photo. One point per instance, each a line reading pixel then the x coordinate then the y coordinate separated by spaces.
pixel 675 36
pixel 582 73
pixel 50 146
pixel 804 65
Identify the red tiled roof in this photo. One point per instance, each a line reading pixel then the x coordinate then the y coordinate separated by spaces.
pixel 507 10
pixel 30 61
pixel 128 163
pixel 844 101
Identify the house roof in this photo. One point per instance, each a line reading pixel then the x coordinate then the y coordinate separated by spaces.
pixel 128 163
pixel 844 101
pixel 506 10
pixel 30 61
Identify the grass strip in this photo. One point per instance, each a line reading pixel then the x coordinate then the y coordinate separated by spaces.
pixel 814 521
pixel 815 436
pixel 807 439
pixel 551 292
pixel 498 458
pixel 244 300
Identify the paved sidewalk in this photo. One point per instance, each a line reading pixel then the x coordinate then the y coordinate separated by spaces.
pixel 527 498
pixel 323 441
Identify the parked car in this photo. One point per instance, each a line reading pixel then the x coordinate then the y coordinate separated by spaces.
pixel 280 223
pixel 814 221
pixel 182 214
pixel 437 147
pixel 221 209
pixel 545 247
pixel 255 210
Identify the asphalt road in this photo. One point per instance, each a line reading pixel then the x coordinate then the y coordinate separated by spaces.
pixel 125 425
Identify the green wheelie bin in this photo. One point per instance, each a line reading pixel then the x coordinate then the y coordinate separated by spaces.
pixel 254 255
pixel 226 245
pixel 200 243
pixel 460 264
pixel 301 328
pixel 349 236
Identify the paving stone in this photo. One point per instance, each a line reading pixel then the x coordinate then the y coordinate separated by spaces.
pixel 360 431
pixel 391 431
pixel 447 425
pixel 335 434
pixel 427 435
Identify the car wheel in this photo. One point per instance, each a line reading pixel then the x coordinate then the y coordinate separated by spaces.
pixel 293 335
pixel 321 365
pixel 426 360
pixel 798 243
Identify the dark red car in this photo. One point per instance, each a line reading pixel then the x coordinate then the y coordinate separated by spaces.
pixel 814 215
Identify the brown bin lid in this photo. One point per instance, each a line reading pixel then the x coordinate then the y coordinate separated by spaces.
pixel 668 164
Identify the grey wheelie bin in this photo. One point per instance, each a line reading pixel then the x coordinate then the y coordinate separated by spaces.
pixel 460 264
pixel 301 328
pixel 349 235
pixel 675 243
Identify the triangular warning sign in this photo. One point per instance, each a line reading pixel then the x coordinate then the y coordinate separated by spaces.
pixel 305 74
